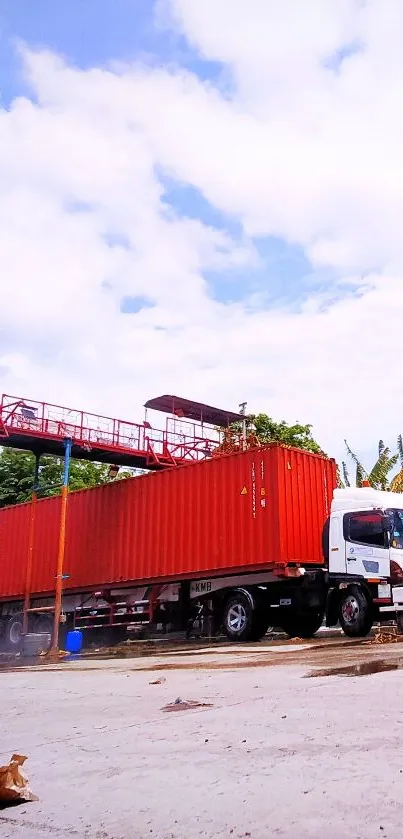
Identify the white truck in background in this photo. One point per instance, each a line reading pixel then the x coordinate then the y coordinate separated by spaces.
pixel 363 539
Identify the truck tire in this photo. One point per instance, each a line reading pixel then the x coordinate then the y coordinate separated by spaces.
pixel 355 612
pixel 261 624
pixel 302 626
pixel 43 625
pixel 238 616
pixel 13 633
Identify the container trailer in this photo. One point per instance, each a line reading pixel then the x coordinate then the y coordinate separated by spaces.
pixel 252 539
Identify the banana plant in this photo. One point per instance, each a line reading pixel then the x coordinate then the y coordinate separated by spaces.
pixel 379 476
pixel 397 481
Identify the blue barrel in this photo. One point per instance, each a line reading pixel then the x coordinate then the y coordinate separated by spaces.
pixel 74 641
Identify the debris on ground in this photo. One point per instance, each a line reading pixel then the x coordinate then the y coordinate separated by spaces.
pixel 58 654
pixel 185 705
pixel 386 635
pixel 14 785
pixel 160 681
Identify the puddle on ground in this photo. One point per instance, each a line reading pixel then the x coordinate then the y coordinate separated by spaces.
pixel 166 648
pixel 363 668
pixel 214 655
pixel 254 656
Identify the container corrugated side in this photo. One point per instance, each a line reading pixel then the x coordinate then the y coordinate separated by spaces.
pixel 240 512
pixel 14 534
pixel 305 489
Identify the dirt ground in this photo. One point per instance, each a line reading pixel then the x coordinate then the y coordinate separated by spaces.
pixel 289 740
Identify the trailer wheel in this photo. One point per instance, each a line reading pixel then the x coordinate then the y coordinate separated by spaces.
pixel 261 624
pixel 355 612
pixel 238 616
pixel 13 633
pixel 302 626
pixel 43 623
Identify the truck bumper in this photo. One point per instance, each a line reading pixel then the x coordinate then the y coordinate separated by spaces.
pixel 397 596
pixel 394 604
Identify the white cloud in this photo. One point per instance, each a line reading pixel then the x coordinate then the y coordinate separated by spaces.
pixel 295 150
pixel 264 36
pixel 316 154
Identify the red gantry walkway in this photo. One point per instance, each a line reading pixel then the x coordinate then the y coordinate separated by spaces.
pixel 191 432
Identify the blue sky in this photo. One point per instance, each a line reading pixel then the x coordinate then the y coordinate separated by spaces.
pixel 88 33
pixel 96 32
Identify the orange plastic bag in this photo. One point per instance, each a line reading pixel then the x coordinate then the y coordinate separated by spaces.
pixel 14 784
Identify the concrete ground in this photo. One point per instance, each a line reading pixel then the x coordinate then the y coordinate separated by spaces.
pixel 272 752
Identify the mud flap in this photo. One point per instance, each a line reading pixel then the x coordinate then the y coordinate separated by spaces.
pixel 332 607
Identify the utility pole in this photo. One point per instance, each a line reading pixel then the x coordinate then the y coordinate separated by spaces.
pixel 242 411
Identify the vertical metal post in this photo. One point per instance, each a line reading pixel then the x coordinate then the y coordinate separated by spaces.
pixel 242 411
pixel 31 539
pixel 184 603
pixel 62 543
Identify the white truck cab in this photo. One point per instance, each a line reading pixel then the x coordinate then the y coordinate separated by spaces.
pixel 366 533
pixel 366 543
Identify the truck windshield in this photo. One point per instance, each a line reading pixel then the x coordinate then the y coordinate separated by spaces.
pixel 396 528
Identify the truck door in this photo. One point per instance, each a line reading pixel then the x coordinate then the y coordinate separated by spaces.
pixel 367 544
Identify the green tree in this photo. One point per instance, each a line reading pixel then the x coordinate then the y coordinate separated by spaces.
pixel 397 482
pixel 299 436
pixel 262 429
pixel 379 477
pixel 17 472
pixel 16 476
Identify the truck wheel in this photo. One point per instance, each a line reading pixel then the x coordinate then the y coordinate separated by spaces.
pixel 13 633
pixel 355 613
pixel 43 623
pixel 238 617
pixel 261 624
pixel 302 626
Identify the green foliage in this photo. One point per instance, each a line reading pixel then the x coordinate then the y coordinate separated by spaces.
pixel 262 429
pixel 397 481
pixel 17 472
pixel 16 475
pixel 346 476
pixel 379 476
pixel 297 435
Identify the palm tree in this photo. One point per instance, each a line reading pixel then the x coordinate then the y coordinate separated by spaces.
pixel 378 477
pixel 397 482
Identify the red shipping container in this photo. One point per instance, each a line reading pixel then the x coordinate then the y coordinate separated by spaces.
pixel 242 512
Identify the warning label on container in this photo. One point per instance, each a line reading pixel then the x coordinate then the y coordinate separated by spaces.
pixel 244 491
